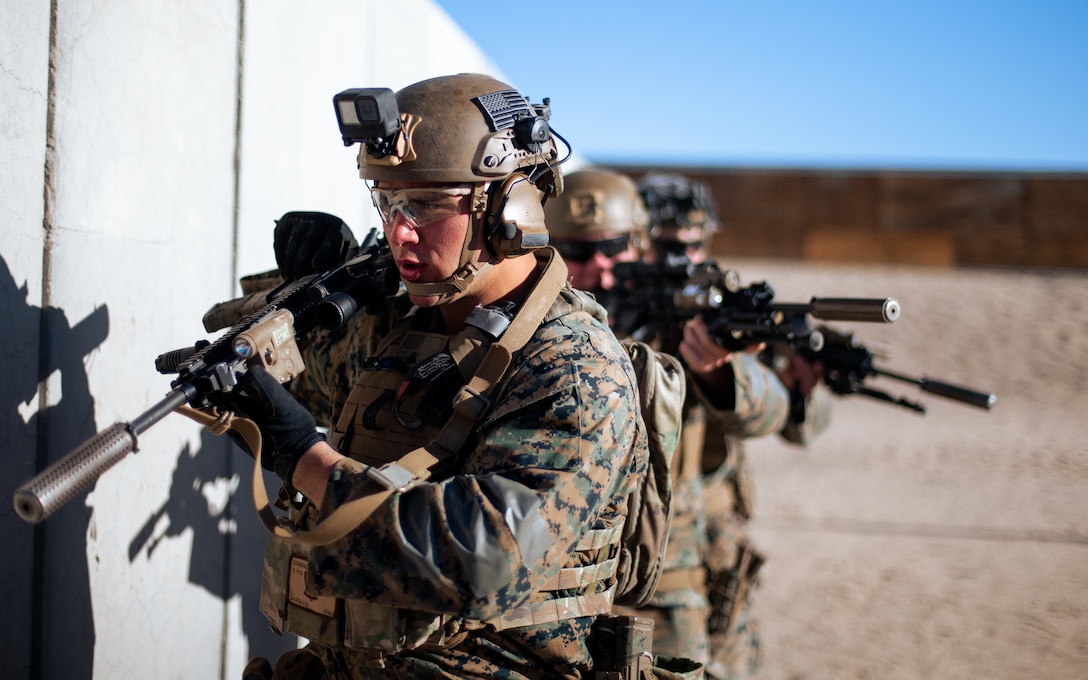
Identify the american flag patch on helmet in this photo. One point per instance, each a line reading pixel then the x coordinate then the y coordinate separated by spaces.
pixel 503 108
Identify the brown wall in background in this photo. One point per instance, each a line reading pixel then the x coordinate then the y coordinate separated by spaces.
pixel 899 217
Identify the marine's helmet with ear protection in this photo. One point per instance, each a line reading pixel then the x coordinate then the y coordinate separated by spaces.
pixel 463 128
pixel 473 128
pixel 596 203
pixel 675 201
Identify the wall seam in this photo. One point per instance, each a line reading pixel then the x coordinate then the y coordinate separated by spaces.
pixel 228 560
pixel 45 341
pixel 237 160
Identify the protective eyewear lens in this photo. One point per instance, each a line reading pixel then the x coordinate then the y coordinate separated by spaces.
pixel 583 251
pixel 419 205
pixel 674 247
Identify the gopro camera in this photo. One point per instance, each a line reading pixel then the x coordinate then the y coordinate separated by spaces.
pixel 368 115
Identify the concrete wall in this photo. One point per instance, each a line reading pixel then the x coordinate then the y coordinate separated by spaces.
pixel 1008 219
pixel 147 148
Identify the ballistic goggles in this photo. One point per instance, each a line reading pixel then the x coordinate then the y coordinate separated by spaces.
pixel 583 251
pixel 419 205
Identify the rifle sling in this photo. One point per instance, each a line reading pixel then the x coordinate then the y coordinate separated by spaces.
pixel 469 405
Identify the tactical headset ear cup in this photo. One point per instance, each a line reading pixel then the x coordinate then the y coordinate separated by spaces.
pixel 514 218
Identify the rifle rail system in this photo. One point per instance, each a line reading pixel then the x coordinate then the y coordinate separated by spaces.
pixel 655 297
pixel 266 336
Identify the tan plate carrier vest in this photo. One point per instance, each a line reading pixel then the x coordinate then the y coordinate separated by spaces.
pixel 379 428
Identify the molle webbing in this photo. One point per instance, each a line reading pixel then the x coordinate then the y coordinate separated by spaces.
pixel 580 577
pixel 469 405
pixel 543 608
pixel 549 611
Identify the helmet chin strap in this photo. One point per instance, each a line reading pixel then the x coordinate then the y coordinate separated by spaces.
pixel 467 268
pixel 446 289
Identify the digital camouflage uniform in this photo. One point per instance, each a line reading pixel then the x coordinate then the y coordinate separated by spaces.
pixel 702 610
pixel 732 561
pixel 554 457
pixel 712 505
pixel 705 519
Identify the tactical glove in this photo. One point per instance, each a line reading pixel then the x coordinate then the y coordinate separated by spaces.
pixel 288 429
pixel 311 242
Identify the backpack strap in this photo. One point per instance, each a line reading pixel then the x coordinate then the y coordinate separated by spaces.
pixel 662 389
pixel 471 403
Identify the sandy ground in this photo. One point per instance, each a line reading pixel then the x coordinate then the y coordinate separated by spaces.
pixel 947 545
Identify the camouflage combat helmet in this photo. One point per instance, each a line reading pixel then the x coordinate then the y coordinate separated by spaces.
pixel 596 203
pixel 675 201
pixel 462 129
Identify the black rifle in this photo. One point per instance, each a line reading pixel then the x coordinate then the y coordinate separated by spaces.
pixel 847 363
pixel 266 336
pixel 653 299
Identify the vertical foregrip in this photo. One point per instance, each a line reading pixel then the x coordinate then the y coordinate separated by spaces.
pixel 862 310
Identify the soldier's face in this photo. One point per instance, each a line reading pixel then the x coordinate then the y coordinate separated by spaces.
pixel 687 241
pixel 590 262
pixel 431 251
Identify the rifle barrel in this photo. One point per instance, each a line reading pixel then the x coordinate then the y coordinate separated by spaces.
pixel 65 479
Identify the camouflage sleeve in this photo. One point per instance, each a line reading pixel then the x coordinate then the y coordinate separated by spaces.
pixel 761 403
pixel 816 420
pixel 557 456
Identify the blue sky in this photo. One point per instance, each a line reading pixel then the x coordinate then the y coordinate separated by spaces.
pixel 925 84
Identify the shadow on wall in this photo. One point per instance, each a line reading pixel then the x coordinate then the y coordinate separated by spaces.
pixel 44 574
pixel 228 538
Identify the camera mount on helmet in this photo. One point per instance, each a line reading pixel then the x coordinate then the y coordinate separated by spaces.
pixel 463 129
pixel 369 115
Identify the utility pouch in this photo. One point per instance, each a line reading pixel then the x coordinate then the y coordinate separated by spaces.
pixel 728 590
pixel 330 621
pixel 285 602
pixel 620 646
pixel 676 668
